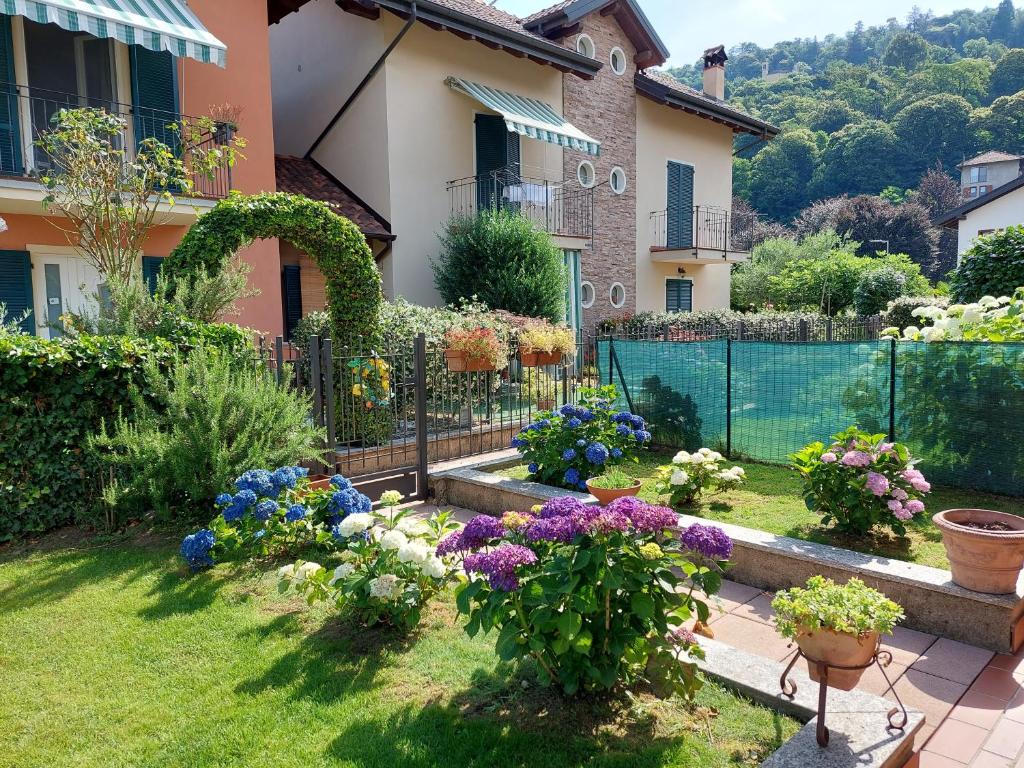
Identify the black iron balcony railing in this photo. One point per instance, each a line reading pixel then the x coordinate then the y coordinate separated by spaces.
pixel 702 228
pixel 559 208
pixel 25 114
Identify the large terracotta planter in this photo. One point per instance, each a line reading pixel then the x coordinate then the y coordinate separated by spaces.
pixel 606 496
pixel 983 560
pixel 534 359
pixel 839 649
pixel 319 482
pixel 459 362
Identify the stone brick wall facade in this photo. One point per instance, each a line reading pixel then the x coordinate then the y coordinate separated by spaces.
pixel 605 108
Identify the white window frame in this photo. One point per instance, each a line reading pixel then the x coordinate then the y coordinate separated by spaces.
pixel 617 52
pixel 584 287
pixel 611 295
pixel 611 180
pixel 579 174
pixel 584 42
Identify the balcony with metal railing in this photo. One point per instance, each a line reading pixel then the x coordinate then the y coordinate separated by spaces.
pixel 701 234
pixel 563 209
pixel 26 114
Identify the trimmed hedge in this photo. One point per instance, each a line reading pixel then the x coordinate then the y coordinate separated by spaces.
pixel 52 395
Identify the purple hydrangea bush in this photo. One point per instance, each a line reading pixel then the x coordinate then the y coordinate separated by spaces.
pixel 860 481
pixel 595 596
pixel 574 443
pixel 274 512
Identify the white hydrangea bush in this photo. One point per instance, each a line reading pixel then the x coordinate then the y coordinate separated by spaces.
pixel 988 319
pixel 692 474
pixel 387 569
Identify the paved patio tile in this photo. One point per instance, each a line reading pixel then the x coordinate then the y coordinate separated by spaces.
pixel 1006 739
pixel 978 709
pixel 957 741
pixel 990 760
pixel 954 661
pixel 758 608
pixel 1013 663
pixel 932 760
pixel 733 594
pixel 906 645
pixel 751 636
pixel 874 682
pixel 1015 709
pixel 998 683
pixel 935 696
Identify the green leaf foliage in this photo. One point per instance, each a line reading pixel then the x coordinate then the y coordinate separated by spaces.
pixel 851 608
pixel 993 266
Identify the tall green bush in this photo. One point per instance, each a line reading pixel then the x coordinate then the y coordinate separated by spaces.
pixel 195 427
pixel 876 288
pixel 993 266
pixel 501 258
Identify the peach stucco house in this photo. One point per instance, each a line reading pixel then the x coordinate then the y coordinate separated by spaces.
pixel 162 59
pixel 418 109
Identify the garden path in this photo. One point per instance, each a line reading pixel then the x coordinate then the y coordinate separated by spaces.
pixel 973 699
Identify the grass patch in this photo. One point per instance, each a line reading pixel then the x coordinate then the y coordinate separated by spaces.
pixel 771 500
pixel 113 656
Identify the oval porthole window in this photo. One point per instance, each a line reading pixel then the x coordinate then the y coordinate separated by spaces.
pixel 585 174
pixel 587 295
pixel 617 180
pixel 617 295
pixel 617 59
pixel 586 46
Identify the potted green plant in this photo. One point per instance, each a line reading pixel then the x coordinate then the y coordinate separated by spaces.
pixel 541 343
pixel 838 624
pixel 225 122
pixel 473 349
pixel 985 548
pixel 612 485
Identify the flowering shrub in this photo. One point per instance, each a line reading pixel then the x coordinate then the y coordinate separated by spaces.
pixel 593 594
pixel 690 474
pixel 988 319
pixel 860 481
pixel 545 337
pixel 479 344
pixel 569 446
pixel 273 512
pixel 388 566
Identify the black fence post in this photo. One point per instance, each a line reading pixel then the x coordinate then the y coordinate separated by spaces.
pixel 892 390
pixel 279 353
pixel 803 330
pixel 316 381
pixel 611 357
pixel 728 397
pixel 420 383
pixel 327 365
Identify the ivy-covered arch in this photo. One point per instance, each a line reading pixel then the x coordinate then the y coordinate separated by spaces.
pixel 335 244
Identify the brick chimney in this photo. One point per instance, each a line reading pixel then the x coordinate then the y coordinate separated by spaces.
pixel 714 72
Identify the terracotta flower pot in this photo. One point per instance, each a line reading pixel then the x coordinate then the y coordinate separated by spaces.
pixel 459 362
pixel 608 495
pixel 545 404
pixel 534 359
pixel 840 649
pixel 985 548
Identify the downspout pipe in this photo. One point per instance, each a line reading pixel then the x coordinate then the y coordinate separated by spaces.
pixel 364 82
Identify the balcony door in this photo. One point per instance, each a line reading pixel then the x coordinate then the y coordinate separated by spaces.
pixel 66 70
pixel 679 216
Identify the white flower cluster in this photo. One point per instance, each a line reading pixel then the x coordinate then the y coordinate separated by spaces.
pixel 355 524
pixel 989 318
pixel 298 573
pixel 387 586
pixel 691 473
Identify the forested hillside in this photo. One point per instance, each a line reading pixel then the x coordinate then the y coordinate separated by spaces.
pixel 877 107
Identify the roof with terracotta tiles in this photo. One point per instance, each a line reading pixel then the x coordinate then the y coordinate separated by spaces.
pixel 702 104
pixel 990 157
pixel 306 177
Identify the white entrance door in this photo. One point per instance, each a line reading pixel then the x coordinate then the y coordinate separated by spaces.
pixel 62 283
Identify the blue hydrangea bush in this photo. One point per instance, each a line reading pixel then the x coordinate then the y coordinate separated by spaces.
pixel 274 512
pixel 387 570
pixel 596 596
pixel 574 443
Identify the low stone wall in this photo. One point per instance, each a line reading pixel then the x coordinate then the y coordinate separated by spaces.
pixel 933 603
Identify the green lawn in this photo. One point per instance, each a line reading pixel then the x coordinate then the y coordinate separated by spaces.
pixel 113 656
pixel 770 500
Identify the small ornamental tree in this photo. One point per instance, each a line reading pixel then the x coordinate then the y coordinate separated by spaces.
pixel 110 197
pixel 502 259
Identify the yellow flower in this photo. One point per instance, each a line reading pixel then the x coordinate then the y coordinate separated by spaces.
pixel 651 551
pixel 515 521
pixel 357 390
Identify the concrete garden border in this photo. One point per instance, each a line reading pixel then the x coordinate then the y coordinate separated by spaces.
pixel 932 602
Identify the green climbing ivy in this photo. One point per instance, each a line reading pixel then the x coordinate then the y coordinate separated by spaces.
pixel 354 293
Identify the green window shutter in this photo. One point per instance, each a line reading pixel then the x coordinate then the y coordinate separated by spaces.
pixel 154 95
pixel 16 286
pixel 291 292
pixel 496 148
pixel 10 133
pixel 150 269
pixel 679 216
pixel 678 295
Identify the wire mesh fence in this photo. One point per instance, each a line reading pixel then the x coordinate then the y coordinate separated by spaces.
pixel 958 406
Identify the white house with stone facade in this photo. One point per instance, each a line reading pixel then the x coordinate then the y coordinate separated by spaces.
pixel 420 109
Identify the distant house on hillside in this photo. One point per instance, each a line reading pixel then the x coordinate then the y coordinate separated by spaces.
pixel 984 173
pixel 998 209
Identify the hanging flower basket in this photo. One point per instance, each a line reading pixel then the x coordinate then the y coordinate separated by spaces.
pixel 541 343
pixel 536 359
pixel 476 349
pixel 460 362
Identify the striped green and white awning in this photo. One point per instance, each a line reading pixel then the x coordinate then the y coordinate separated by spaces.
pixel 528 117
pixel 160 25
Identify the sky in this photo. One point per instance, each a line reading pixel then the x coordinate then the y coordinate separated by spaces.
pixel 690 26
